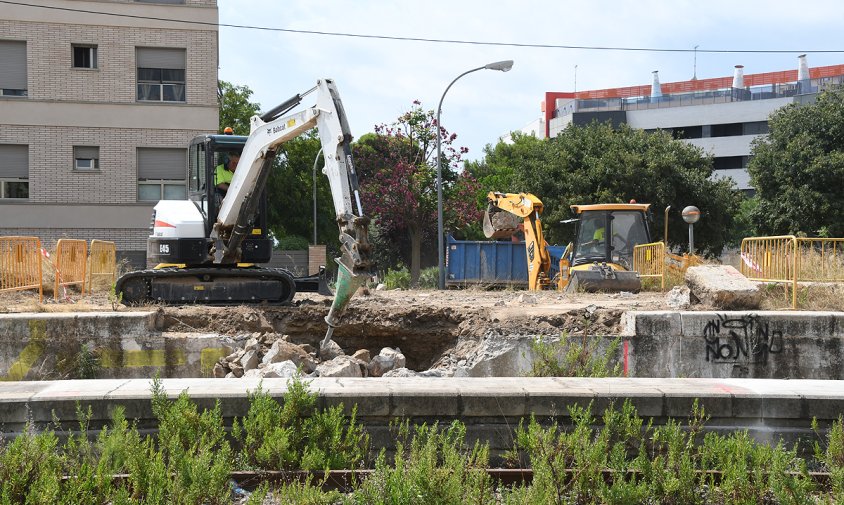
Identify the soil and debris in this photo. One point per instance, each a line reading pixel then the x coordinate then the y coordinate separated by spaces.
pixel 384 332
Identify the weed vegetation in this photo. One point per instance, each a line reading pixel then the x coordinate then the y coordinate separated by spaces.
pixel 615 457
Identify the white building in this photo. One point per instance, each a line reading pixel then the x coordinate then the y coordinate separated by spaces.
pixel 721 115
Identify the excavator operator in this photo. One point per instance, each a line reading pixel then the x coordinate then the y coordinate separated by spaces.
pixel 224 173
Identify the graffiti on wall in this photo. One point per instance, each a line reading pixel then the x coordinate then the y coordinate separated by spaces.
pixel 740 339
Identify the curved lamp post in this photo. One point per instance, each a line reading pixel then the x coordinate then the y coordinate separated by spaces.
pixel 502 66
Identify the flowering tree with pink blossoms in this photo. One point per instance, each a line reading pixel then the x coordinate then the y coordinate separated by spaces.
pixel 397 166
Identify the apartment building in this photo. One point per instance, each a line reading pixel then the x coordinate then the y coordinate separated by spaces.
pixel 98 102
pixel 721 115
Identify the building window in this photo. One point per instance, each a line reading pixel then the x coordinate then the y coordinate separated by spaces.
pixel 688 132
pixel 86 158
pixel 727 130
pixel 12 68
pixel 729 162
pixel 161 74
pixel 161 174
pixel 14 171
pixel 756 128
pixel 84 56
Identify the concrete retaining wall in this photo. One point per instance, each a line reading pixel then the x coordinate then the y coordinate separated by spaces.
pixel 36 346
pixel 491 408
pixel 757 344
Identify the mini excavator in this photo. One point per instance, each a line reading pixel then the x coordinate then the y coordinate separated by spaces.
pixel 215 240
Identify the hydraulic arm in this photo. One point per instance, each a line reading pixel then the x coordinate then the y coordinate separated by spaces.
pixel 501 220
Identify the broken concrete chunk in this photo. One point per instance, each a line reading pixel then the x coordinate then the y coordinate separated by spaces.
pixel 282 350
pixel 255 372
pixel 341 366
pixel 237 370
pixel 400 372
pixel 363 355
pixel 283 369
pixel 723 287
pixel 388 359
pixel 330 351
pixel 219 371
pixel 252 344
pixel 250 360
pixel 679 298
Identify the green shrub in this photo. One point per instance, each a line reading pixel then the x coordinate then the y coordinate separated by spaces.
pixel 295 435
pixel 397 278
pixel 292 243
pixel 429 278
pixel 575 357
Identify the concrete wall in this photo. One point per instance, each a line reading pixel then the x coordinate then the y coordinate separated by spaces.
pixel 125 345
pixel 787 345
pixel 490 408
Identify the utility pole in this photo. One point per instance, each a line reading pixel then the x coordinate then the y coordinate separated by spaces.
pixel 694 72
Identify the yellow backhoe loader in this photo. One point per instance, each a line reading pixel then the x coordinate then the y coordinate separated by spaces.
pixel 601 257
pixel 505 211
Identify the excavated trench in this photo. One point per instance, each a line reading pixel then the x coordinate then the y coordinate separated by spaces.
pixel 425 334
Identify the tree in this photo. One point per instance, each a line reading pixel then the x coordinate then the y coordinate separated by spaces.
pixel 798 169
pixel 599 164
pixel 235 107
pixel 397 168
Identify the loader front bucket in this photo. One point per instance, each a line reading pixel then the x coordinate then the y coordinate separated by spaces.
pixel 604 280
pixel 500 224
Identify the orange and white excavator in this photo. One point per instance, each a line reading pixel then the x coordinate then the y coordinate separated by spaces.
pixel 501 220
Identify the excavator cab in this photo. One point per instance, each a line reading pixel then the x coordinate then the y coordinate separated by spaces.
pixel 601 257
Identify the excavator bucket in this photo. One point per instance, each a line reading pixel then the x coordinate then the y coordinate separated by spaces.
pixel 500 224
pixel 602 278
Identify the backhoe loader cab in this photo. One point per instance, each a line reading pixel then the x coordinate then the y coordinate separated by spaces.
pixel 601 257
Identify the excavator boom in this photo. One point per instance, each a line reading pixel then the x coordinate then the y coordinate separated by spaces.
pixel 505 211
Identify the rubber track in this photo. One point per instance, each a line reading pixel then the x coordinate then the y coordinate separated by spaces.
pixel 149 275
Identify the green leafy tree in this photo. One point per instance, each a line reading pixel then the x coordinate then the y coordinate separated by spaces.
pixel 235 107
pixel 290 193
pixel 398 170
pixel 798 169
pixel 599 164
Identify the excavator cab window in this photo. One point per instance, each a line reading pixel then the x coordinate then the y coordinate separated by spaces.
pixel 196 167
pixel 609 236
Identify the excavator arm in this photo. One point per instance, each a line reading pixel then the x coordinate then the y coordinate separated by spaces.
pixel 268 133
pixel 501 220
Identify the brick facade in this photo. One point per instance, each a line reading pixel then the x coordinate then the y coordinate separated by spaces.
pixel 105 95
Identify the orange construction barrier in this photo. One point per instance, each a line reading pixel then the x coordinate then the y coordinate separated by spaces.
pixel 102 262
pixel 71 260
pixel 20 264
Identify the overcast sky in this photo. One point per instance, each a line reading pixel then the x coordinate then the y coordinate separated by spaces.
pixel 379 79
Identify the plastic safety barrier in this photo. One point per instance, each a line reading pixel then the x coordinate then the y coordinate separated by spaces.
pixel 649 261
pixel 20 264
pixel 102 263
pixel 71 260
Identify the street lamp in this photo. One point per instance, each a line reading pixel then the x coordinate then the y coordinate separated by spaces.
pixel 503 66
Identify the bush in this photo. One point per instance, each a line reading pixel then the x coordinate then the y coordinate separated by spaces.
pixel 429 278
pixel 397 278
pixel 292 243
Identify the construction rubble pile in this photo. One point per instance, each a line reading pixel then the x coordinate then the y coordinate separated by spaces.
pixel 272 355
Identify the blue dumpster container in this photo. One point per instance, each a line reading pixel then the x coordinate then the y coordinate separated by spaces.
pixel 491 263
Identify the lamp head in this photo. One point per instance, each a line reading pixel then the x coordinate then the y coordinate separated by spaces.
pixel 503 66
